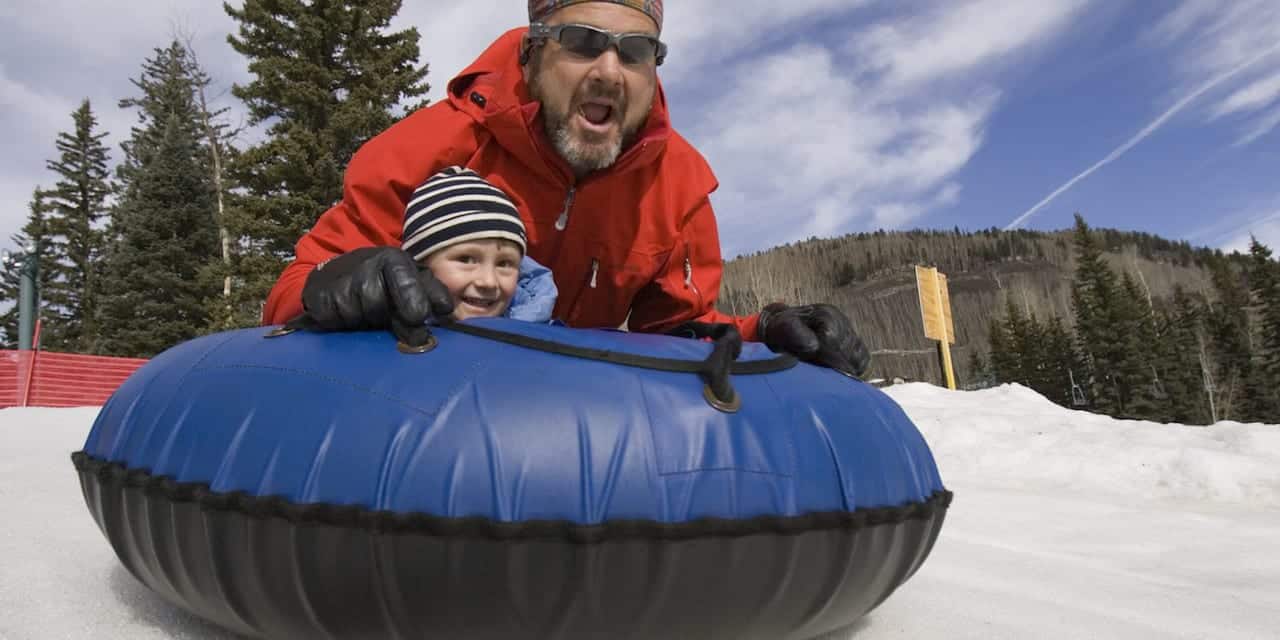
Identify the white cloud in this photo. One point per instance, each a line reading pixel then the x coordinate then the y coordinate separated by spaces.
pixel 824 139
pixel 1231 230
pixel 1218 35
pixel 915 50
pixel 59 52
pixel 1228 44
pixel 15 196
pixel 1208 38
pixel 24 109
pixel 454 33
pixel 1266 229
pixel 1151 128
pixel 861 151
pixel 704 34
pixel 1261 126
pixel 22 105
pixel 1256 95
pixel 808 134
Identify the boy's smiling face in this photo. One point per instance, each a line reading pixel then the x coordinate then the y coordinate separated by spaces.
pixel 480 275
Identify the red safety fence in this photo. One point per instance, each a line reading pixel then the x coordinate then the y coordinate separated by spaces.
pixel 51 379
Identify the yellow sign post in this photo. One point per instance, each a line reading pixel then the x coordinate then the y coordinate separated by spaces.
pixel 935 313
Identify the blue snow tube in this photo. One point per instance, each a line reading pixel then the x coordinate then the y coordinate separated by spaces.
pixel 516 481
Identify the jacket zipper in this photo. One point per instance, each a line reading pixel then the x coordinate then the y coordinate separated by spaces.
pixel 688 275
pixel 563 221
pixel 589 284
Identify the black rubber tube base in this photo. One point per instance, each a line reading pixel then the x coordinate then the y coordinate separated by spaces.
pixel 273 578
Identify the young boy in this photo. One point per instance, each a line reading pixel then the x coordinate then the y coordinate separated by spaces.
pixel 469 234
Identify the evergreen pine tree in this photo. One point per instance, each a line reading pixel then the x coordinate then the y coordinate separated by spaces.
pixel 1047 377
pixel 1094 299
pixel 10 282
pixel 327 76
pixel 166 88
pixel 1264 281
pixel 980 375
pixel 75 205
pixel 1061 362
pixel 32 235
pixel 9 285
pixel 1180 360
pixel 1038 355
pixel 1004 361
pixel 164 238
pixel 1136 372
pixel 1241 392
pixel 1018 332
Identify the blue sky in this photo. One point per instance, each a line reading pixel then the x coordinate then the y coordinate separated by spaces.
pixel 823 117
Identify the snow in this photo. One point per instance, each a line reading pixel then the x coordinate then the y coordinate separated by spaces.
pixel 1067 524
pixel 1064 525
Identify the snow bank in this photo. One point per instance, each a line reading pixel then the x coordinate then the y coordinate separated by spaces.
pixel 1010 436
pixel 1065 525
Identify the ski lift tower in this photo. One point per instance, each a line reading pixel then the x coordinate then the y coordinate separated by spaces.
pixel 28 261
pixel 1077 394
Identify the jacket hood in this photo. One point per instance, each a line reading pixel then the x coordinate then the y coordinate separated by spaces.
pixel 535 296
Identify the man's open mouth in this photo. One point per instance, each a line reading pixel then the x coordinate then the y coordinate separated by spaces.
pixel 596 113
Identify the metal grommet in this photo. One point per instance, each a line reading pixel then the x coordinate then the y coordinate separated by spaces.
pixel 429 345
pixel 279 331
pixel 728 407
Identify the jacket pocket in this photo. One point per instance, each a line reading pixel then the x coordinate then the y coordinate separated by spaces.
pixel 609 286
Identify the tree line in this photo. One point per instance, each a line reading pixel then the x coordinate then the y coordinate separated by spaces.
pixel 189 230
pixel 871 276
pixel 1187 357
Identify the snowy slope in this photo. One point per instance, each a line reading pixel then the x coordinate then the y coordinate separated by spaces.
pixel 1072 525
pixel 1064 525
pixel 1012 437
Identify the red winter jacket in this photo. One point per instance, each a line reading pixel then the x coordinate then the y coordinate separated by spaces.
pixel 638 237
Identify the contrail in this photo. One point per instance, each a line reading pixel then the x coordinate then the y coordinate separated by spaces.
pixel 1215 236
pixel 1146 131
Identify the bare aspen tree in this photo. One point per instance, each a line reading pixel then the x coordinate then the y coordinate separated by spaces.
pixel 1143 279
pixel 215 152
pixel 213 133
pixel 1206 374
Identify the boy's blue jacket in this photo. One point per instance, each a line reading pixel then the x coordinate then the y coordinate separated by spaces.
pixel 535 295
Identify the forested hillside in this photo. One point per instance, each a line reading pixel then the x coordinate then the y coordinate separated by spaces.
pixel 872 277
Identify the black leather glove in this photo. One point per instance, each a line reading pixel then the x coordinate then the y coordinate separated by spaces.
pixel 375 288
pixel 818 333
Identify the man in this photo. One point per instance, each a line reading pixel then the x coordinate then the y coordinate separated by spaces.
pixel 569 119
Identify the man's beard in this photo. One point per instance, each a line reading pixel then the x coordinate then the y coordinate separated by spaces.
pixel 583 156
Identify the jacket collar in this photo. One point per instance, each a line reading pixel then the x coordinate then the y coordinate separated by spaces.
pixel 492 89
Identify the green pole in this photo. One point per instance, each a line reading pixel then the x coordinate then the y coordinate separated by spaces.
pixel 27 297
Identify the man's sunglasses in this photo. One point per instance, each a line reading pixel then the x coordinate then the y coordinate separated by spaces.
pixel 590 42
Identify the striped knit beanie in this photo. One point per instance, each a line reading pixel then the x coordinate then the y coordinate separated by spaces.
pixel 540 9
pixel 457 205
